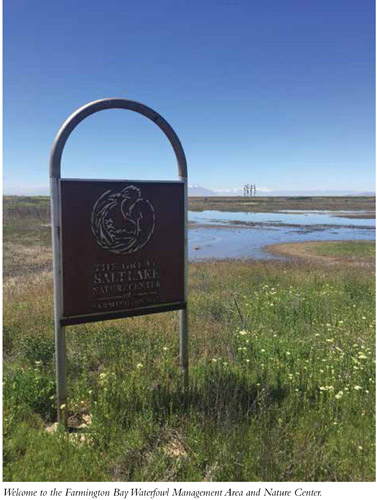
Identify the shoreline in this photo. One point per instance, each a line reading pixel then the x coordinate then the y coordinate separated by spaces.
pixel 306 251
pixel 271 225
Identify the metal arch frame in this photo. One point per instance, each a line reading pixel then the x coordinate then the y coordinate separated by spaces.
pixel 55 175
pixel 113 103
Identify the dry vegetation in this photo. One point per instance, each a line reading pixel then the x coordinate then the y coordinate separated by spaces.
pixel 275 204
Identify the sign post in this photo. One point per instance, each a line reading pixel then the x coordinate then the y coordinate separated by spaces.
pixel 119 246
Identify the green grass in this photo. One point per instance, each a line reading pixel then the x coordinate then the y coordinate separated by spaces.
pixel 282 377
pixel 281 390
pixel 359 249
pixel 354 253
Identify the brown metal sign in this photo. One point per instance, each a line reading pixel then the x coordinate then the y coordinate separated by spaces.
pixel 119 247
pixel 122 248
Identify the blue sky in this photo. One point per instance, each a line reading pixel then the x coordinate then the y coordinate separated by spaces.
pixel 280 94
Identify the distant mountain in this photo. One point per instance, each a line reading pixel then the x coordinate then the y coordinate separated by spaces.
pixel 230 192
pixel 201 191
pixel 316 192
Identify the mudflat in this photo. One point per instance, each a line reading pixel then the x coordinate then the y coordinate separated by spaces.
pixel 281 203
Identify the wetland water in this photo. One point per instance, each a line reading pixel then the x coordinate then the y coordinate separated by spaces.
pixel 221 235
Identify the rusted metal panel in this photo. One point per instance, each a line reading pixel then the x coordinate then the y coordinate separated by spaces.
pixel 122 247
